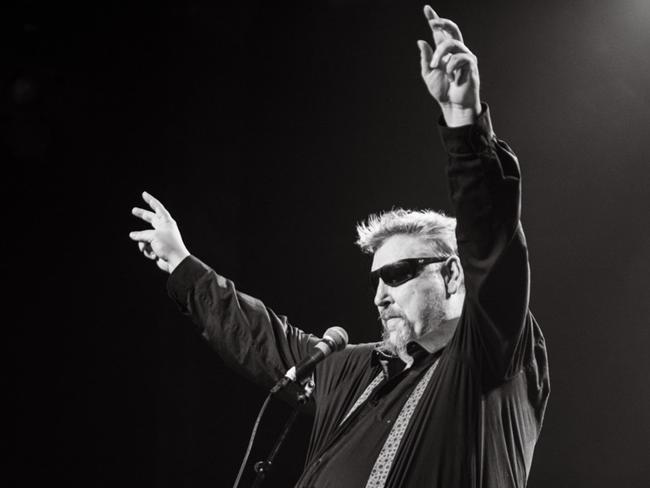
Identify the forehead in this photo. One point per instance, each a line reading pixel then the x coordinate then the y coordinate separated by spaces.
pixel 401 246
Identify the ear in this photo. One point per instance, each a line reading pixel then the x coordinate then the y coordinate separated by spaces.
pixel 452 273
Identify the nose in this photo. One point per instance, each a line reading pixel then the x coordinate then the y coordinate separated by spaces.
pixel 382 295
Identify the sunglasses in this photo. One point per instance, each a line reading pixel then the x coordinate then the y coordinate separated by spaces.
pixel 394 274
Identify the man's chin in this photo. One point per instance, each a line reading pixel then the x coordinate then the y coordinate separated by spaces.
pixel 397 332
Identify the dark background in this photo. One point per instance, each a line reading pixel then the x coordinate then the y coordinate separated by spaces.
pixel 269 129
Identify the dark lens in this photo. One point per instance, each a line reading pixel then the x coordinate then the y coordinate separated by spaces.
pixel 397 273
pixel 401 271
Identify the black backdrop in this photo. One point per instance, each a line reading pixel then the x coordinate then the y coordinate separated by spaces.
pixel 268 131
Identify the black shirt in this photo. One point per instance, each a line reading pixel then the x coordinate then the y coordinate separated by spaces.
pixel 479 419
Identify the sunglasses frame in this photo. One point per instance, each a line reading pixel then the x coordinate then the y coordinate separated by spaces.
pixel 414 267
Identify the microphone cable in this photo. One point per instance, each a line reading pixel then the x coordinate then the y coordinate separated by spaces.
pixel 252 439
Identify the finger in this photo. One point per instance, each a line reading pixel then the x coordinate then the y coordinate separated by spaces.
pixel 155 204
pixel 450 46
pixel 145 215
pixel 142 235
pixel 429 13
pixel 145 248
pixel 431 16
pixel 163 265
pixel 458 67
pixel 426 53
pixel 457 61
pixel 448 26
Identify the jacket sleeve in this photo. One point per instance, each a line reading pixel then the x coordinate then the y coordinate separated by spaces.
pixel 248 336
pixel 485 188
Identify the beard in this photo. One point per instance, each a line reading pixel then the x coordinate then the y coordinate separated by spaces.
pixel 398 332
pixel 396 336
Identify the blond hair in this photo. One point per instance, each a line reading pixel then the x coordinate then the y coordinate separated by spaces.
pixel 433 226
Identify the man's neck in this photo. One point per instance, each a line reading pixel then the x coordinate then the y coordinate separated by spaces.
pixel 436 339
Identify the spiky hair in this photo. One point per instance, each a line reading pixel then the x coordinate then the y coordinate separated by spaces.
pixel 433 226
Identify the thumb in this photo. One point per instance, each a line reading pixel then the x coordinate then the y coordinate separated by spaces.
pixel 426 54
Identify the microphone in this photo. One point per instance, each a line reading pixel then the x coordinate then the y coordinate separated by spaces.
pixel 334 339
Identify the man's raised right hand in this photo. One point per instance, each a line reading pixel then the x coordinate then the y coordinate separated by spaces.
pixel 163 243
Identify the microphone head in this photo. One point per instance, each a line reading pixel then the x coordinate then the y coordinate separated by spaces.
pixel 337 336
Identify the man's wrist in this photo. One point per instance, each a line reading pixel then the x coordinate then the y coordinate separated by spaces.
pixel 458 116
pixel 468 139
pixel 176 259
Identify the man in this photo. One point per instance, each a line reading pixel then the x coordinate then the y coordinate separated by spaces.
pixel 455 394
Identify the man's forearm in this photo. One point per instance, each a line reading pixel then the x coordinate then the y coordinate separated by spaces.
pixel 248 336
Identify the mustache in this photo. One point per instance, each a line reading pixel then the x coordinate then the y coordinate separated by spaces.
pixel 389 314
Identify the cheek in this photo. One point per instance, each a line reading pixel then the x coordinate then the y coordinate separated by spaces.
pixel 425 301
pixel 410 303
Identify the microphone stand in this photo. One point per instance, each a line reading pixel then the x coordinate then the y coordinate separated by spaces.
pixel 263 468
